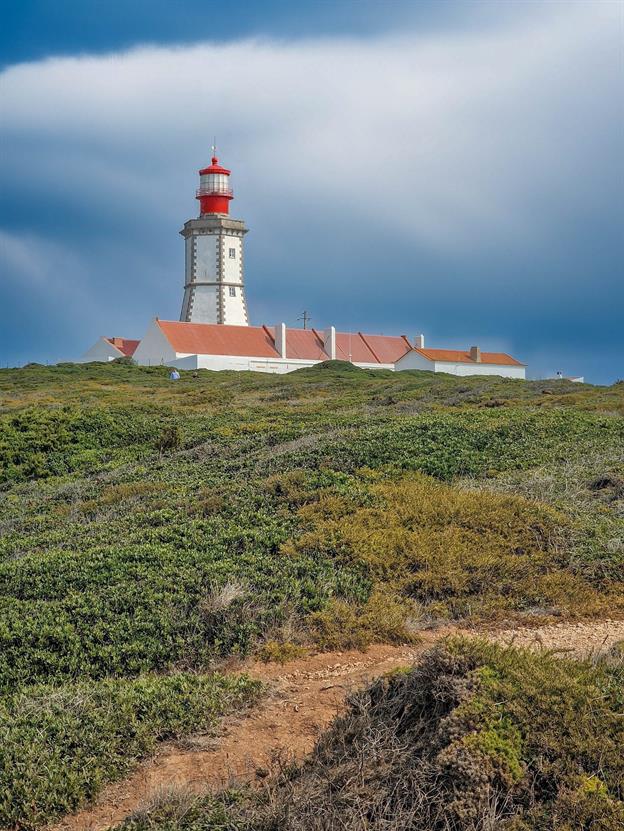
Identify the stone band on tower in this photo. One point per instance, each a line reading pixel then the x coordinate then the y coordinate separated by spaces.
pixel 214 288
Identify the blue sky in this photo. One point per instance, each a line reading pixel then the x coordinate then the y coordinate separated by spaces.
pixel 451 168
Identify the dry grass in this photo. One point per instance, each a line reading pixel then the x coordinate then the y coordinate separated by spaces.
pixel 219 598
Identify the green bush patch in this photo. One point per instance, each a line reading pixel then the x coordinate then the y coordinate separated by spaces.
pixel 60 745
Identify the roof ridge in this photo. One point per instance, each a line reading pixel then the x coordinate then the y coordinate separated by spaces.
pixel 369 347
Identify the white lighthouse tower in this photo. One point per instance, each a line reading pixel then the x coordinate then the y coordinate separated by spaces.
pixel 214 289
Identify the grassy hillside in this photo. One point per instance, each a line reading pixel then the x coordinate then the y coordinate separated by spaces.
pixel 151 527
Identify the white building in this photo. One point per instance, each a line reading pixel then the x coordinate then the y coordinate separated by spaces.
pixel 214 332
pixel 262 348
pixel 459 362
pixel 107 349
pixel 280 349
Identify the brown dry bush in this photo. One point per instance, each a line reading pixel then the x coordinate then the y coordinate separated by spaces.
pixel 475 738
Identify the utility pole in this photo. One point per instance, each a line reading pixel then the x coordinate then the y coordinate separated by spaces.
pixel 306 319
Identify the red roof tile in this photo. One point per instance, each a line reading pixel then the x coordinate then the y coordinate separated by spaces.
pixel 219 339
pixel 259 342
pixel 370 349
pixel 306 344
pixel 458 356
pixel 124 345
pixel 302 344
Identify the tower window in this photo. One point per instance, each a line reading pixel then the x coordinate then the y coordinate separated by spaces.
pixel 232 253
pixel 232 291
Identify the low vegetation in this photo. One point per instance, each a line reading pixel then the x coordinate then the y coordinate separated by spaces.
pixel 150 527
pixel 474 737
pixel 440 553
pixel 59 745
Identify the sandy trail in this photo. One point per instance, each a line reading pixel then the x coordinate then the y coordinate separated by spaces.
pixel 304 696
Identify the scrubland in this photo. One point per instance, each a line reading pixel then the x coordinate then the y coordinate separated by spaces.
pixel 473 737
pixel 150 530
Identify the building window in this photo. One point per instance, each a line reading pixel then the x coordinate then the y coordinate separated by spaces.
pixel 232 253
pixel 232 291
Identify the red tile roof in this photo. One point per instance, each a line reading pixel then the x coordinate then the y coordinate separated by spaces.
pixel 124 345
pixel 259 342
pixel 219 339
pixel 458 356
pixel 306 344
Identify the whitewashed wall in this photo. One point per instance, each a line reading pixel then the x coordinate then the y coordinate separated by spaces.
pixel 206 259
pixel 414 360
pixel 101 350
pixel 154 349
pixel 233 307
pixel 481 369
pixel 204 304
pixel 240 364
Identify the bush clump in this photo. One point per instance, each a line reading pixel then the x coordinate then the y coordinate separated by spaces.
pixel 474 737
pixel 454 553
pixel 60 745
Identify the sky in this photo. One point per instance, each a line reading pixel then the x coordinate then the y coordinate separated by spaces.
pixel 451 168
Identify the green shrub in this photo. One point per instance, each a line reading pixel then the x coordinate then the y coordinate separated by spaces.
pixel 59 746
pixel 169 439
pixel 281 652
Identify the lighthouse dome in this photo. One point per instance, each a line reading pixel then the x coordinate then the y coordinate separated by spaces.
pixel 214 192
pixel 214 179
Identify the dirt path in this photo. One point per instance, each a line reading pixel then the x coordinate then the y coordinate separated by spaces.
pixel 304 696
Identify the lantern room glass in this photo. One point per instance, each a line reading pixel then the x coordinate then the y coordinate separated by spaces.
pixel 217 183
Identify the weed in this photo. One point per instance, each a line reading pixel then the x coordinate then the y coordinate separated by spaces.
pixel 281 653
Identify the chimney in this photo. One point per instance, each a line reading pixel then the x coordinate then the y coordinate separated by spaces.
pixel 329 342
pixel 280 339
pixel 419 342
pixel 475 354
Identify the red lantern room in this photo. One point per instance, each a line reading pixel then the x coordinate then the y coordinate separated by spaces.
pixel 214 192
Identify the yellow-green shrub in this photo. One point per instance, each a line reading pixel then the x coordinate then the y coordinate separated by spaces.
pixel 455 552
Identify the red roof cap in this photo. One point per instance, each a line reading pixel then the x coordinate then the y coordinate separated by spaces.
pixel 124 345
pixel 215 167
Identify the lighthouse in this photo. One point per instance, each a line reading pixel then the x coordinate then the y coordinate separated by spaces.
pixel 214 288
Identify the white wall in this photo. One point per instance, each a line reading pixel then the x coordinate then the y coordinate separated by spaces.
pixel 206 259
pixel 234 309
pixel 232 266
pixel 249 363
pixel 154 349
pixel 204 304
pixel 414 360
pixel 481 369
pixel 101 350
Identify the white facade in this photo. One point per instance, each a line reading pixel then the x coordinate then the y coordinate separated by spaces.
pixel 415 360
pixel 155 349
pixel 214 289
pixel 102 350
pixel 237 363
